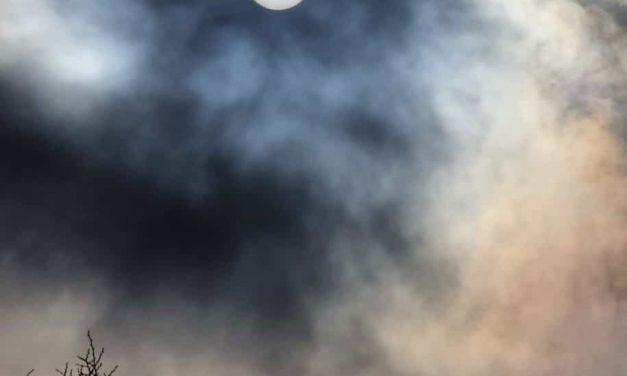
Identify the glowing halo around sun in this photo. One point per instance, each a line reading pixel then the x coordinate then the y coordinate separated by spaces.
pixel 278 4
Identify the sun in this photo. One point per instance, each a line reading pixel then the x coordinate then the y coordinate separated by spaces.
pixel 278 4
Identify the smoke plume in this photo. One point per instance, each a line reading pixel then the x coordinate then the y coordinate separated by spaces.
pixel 345 188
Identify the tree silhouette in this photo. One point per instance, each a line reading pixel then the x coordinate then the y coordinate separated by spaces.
pixel 88 365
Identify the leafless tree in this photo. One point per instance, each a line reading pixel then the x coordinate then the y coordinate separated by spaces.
pixel 88 365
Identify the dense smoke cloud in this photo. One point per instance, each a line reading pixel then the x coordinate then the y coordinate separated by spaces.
pixel 370 188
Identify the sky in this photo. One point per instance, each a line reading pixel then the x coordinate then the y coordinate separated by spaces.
pixel 398 188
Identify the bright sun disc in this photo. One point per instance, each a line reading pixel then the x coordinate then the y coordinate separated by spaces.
pixel 278 4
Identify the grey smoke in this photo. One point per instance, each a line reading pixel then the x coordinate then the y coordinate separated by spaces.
pixel 215 188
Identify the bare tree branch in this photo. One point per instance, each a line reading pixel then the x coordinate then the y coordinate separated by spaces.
pixel 88 365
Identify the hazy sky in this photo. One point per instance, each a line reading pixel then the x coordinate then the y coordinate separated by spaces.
pixel 349 187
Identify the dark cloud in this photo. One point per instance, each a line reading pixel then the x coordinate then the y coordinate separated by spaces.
pixel 347 187
pixel 242 146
